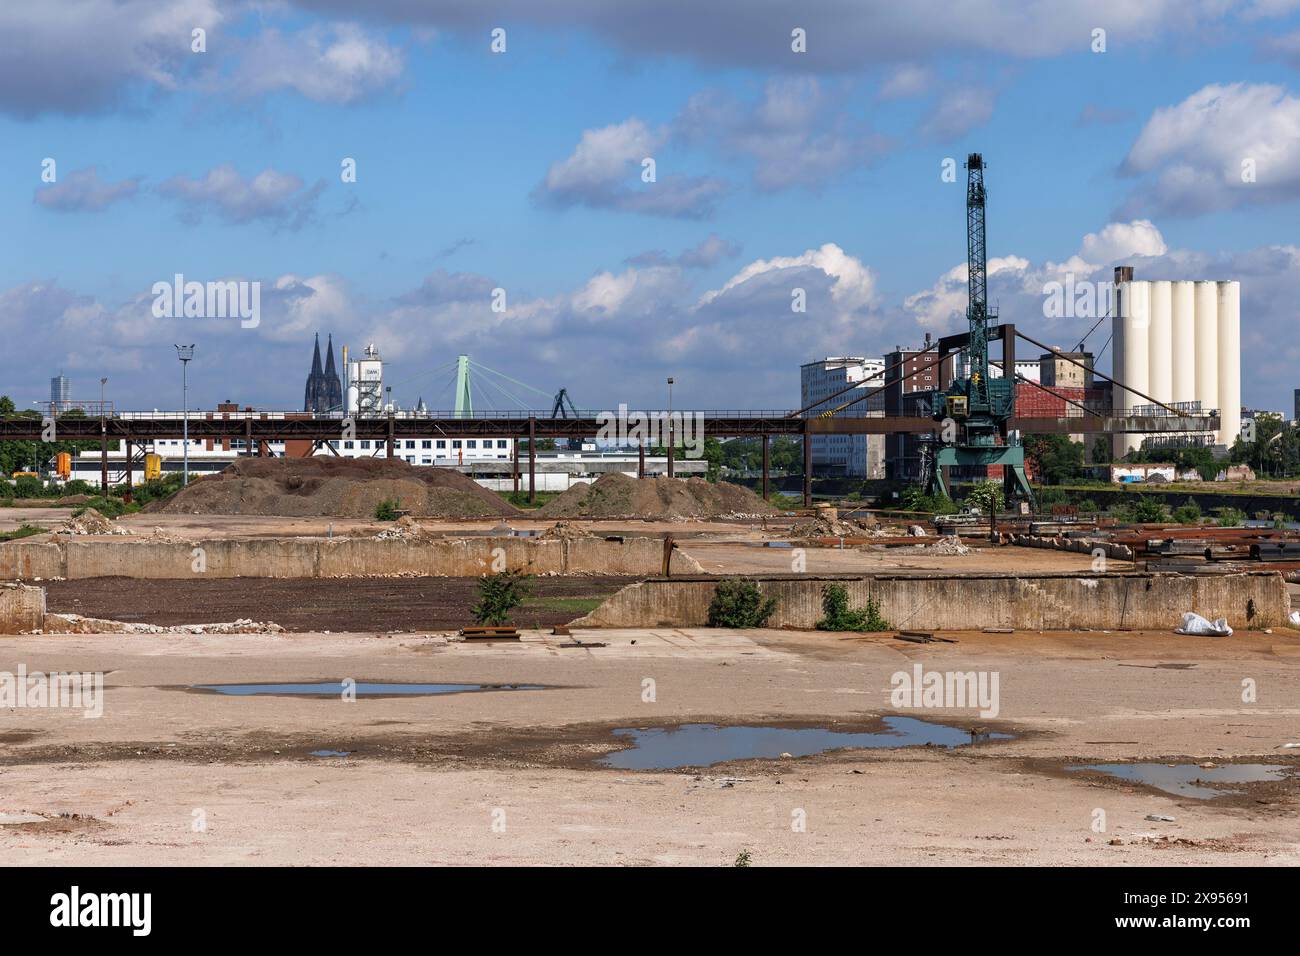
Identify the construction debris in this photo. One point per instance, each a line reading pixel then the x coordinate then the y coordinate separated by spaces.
pixel 90 521
pixel 76 624
pixel 565 531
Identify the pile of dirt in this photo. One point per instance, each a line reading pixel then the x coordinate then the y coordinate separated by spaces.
pixel 564 531
pixel 616 495
pixel 335 488
pixel 90 521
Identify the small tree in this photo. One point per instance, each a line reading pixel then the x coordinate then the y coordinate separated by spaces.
pixel 499 594
pixel 739 603
pixel 386 510
pixel 987 496
pixel 835 605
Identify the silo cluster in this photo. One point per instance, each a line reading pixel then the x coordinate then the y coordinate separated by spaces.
pixel 1177 342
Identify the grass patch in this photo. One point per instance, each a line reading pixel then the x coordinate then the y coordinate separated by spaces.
pixel 520 498
pixel 24 531
pixel 108 507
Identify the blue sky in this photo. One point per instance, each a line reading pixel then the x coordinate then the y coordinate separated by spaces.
pixel 521 170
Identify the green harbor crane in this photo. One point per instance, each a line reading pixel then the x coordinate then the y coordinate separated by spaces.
pixel 976 407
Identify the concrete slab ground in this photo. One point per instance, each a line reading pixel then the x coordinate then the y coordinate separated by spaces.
pixel 508 777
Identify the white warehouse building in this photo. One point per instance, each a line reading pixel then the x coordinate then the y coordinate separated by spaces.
pixel 1179 342
pixel 853 456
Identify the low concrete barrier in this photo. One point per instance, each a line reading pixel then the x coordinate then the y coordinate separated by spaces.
pixel 1059 542
pixel 972 601
pixel 88 557
pixel 22 608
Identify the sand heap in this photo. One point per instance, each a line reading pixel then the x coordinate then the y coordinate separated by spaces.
pixel 616 495
pixel 335 488
pixel 564 531
pixel 823 526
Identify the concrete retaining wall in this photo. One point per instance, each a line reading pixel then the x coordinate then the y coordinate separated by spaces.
pixel 330 558
pixel 22 608
pixel 965 602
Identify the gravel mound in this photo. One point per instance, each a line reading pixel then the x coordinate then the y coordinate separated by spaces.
pixel 90 521
pixel 616 495
pixel 336 488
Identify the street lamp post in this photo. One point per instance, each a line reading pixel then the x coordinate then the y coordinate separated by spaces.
pixel 103 442
pixel 185 353
pixel 672 436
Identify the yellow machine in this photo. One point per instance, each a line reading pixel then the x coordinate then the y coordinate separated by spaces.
pixel 26 474
pixel 63 465
pixel 152 466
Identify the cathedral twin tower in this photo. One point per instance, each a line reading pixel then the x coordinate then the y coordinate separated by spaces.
pixel 324 390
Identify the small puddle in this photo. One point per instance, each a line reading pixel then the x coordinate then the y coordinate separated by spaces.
pixel 331 753
pixel 1184 780
pixel 361 688
pixel 701 745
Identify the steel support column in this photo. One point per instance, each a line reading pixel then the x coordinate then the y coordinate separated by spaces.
pixel 127 447
pixel 515 464
pixel 640 459
pixel 807 465
pixel 532 459
pixel 765 463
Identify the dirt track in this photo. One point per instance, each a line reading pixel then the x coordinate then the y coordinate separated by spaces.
pixel 315 604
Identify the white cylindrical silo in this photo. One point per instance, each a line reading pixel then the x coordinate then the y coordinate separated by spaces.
pixel 1207 345
pixel 1132 365
pixel 1160 347
pixel 1229 309
pixel 1184 342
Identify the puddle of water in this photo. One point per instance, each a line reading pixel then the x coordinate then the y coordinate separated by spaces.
pixel 331 753
pixel 362 688
pixel 1183 780
pixel 701 745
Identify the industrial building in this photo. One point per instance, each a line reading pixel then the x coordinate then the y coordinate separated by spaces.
pixel 851 456
pixel 1177 343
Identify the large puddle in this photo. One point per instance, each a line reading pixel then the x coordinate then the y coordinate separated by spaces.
pixel 700 745
pixel 360 688
pixel 1185 780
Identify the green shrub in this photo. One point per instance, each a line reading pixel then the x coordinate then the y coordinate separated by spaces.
pixel 499 594
pixel 77 486
pixel 987 496
pixel 29 487
pixel 386 510
pixel 739 603
pixel 1088 506
pixel 1230 517
pixel 835 605
pixel 108 507
pixel 1190 513
pixel 6 489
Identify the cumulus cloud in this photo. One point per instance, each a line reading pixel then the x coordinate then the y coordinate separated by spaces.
pixel 604 171
pixel 83 191
pixel 1224 146
pixel 791 136
pixel 270 196
pixel 84 56
pixel 338 63
pixel 843 35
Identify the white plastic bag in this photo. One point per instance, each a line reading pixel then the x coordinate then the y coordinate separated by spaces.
pixel 1195 624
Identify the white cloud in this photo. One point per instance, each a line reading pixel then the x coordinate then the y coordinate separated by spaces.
pixel 957 112
pixel 907 81
pixel 83 191
pixel 272 196
pixel 1199 151
pixel 604 171
pixel 339 63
